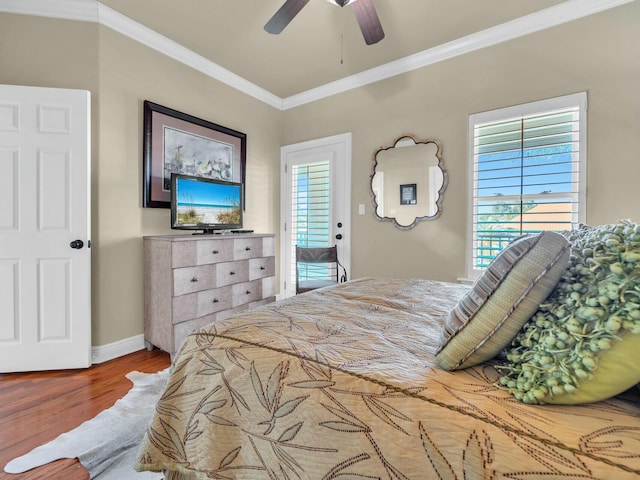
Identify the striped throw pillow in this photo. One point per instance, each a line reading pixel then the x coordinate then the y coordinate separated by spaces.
pixel 501 301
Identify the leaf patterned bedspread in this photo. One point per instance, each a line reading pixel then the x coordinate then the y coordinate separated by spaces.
pixel 341 383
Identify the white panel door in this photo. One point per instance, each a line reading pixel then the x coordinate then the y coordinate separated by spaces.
pixel 303 163
pixel 45 261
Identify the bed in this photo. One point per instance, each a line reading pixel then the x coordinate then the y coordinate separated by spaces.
pixel 342 383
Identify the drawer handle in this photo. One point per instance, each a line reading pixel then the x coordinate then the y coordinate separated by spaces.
pixel 232 273
pixel 194 279
pixel 248 292
pixel 215 252
pixel 263 268
pixel 247 248
pixel 215 300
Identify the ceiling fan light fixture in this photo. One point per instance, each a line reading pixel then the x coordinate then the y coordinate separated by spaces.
pixel 365 12
pixel 342 3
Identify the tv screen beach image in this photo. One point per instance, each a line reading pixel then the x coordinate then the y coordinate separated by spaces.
pixel 201 202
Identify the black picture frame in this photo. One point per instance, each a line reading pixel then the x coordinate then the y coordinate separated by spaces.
pixel 408 194
pixel 178 142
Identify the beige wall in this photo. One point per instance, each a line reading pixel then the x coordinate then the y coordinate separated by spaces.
pixel 121 74
pixel 129 74
pixel 598 54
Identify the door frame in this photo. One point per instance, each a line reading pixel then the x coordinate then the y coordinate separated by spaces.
pixel 343 145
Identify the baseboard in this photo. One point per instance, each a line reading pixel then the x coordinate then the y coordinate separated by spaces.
pixel 103 353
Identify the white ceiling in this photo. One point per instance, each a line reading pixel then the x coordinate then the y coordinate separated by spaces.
pixel 322 50
pixel 307 53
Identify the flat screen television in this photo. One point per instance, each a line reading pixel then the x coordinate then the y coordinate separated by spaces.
pixel 205 204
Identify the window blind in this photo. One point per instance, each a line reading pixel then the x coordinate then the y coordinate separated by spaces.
pixel 310 202
pixel 526 178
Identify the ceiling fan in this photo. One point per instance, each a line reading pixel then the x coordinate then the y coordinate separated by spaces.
pixel 364 10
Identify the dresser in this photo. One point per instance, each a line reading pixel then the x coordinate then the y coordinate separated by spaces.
pixel 193 280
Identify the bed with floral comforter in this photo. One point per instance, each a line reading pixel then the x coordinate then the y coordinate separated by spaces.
pixel 342 383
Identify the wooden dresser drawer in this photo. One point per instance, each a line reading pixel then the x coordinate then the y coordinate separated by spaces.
pixel 262 267
pixel 246 292
pixel 244 248
pixel 203 303
pixel 232 272
pixel 268 287
pixel 194 279
pixel 202 252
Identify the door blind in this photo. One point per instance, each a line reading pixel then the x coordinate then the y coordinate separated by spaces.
pixel 526 179
pixel 310 206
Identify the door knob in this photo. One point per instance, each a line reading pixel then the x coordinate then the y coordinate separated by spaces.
pixel 77 244
pixel 339 236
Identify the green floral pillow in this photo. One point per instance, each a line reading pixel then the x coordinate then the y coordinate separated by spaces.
pixel 583 343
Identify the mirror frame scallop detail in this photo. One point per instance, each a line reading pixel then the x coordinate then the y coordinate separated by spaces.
pixel 403 141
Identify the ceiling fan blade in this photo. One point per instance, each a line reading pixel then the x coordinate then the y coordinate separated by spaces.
pixel 284 15
pixel 368 20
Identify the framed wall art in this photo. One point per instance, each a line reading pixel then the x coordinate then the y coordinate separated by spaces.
pixel 181 143
pixel 408 194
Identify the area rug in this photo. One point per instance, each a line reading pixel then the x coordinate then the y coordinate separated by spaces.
pixel 107 444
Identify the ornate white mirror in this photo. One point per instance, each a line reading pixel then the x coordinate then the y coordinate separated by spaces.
pixel 408 181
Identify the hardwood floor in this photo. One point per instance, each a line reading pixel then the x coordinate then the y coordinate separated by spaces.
pixel 36 407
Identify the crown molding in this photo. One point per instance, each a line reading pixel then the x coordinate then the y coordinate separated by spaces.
pixel 94 11
pixel 152 39
pixel 82 10
pixel 534 22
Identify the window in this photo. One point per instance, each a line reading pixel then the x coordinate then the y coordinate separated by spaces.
pixel 528 173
